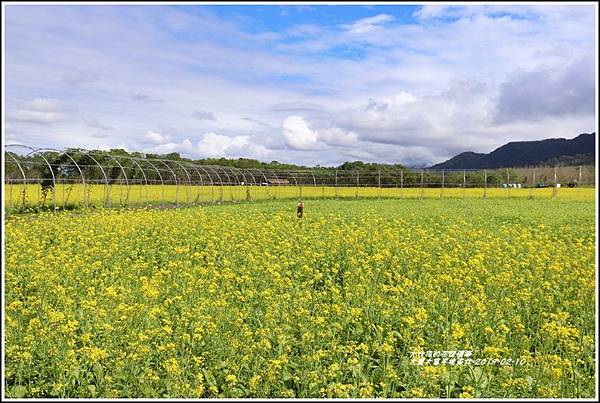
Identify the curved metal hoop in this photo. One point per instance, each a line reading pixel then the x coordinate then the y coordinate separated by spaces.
pixel 78 166
pixel 143 175
pixel 24 181
pixel 88 153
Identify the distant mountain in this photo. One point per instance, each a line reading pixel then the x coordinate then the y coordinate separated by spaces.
pixel 580 150
pixel 572 160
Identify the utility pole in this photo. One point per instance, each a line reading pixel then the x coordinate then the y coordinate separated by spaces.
pixel 336 185
pixel 532 185
pixel 555 185
pixel 401 183
pixel 442 190
pixel 485 184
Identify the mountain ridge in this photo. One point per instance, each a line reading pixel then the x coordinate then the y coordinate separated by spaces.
pixel 553 151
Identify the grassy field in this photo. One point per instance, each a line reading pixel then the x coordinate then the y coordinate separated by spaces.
pixel 69 196
pixel 245 300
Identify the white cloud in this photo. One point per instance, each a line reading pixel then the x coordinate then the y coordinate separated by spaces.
pixel 391 90
pixel 11 132
pixel 45 105
pixel 10 128
pixel 395 119
pixel 154 137
pixel 552 12
pixel 214 145
pixel 547 92
pixel 368 24
pixel 336 136
pixel 298 135
pixel 42 111
pixel 395 101
pixel 37 117
pixel 429 11
pixel 304 30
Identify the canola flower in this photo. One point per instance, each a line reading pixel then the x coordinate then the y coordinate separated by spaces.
pixel 245 301
pixel 31 197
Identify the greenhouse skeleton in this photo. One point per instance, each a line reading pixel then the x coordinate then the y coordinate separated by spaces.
pixel 30 169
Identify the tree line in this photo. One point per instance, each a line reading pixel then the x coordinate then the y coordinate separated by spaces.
pixel 369 173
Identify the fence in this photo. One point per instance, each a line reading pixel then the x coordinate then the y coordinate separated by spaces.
pixel 44 178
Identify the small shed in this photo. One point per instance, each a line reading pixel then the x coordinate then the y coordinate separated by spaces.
pixel 278 181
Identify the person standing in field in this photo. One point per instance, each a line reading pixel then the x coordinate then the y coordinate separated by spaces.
pixel 300 209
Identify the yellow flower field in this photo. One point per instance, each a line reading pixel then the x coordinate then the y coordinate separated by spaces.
pixel 243 300
pixel 75 195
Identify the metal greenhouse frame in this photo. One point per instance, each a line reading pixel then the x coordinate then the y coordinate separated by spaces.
pixel 73 177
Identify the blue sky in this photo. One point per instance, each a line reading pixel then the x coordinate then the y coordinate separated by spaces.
pixel 312 84
pixel 277 18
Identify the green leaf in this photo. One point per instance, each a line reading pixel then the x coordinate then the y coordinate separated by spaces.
pixel 149 391
pixel 210 379
pixel 484 381
pixel 99 371
pixel 19 391
pixel 237 391
pixel 478 372
pixel 287 376
pixel 92 389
